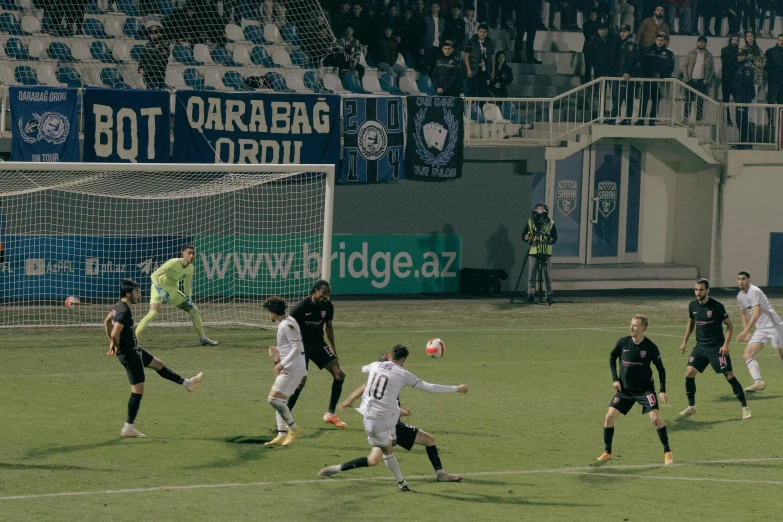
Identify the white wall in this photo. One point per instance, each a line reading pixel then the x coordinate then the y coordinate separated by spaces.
pixel 659 187
pixel 693 224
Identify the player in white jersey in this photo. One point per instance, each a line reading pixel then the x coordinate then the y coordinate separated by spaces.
pixel 290 368
pixel 756 311
pixel 381 410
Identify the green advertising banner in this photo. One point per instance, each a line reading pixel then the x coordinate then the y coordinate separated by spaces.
pixel 233 266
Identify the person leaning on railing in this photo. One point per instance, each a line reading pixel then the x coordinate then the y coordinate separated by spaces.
pixel 657 63
pixel 628 68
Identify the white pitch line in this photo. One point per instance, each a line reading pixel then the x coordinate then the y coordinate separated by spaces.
pixel 584 470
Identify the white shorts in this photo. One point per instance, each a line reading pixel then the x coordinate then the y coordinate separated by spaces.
pixel 773 336
pixel 288 380
pixel 380 432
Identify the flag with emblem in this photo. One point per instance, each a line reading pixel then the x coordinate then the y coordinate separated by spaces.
pixel 45 124
pixel 373 140
pixel 435 137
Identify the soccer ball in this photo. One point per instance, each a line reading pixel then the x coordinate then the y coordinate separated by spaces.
pixel 72 302
pixel 436 348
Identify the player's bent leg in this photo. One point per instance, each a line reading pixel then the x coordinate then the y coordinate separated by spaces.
pixel 663 436
pixel 428 441
pixel 147 319
pixel 753 366
pixel 337 388
pixel 394 467
pixel 278 401
pixel 295 396
pixel 134 403
pixel 611 415
pixel 373 459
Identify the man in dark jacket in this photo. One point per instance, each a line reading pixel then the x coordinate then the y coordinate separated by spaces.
pixel 627 67
pixel 528 13
pixel 447 74
pixel 657 62
pixel 384 52
pixel 154 60
pixel 730 66
pixel 744 92
pixel 479 62
pixel 600 53
pixel 774 68
pixel 455 28
pixel 342 17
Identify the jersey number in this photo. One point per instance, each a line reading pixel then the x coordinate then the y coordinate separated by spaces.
pixel 651 399
pixel 378 386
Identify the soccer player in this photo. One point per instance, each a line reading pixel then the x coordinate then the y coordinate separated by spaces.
pixel 290 369
pixel 122 344
pixel 712 346
pixel 635 384
pixel 165 289
pixel 402 435
pixel 381 411
pixel 314 315
pixel 756 311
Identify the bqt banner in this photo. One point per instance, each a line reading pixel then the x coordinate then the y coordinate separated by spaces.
pixel 219 127
pixel 373 139
pixel 435 136
pixel 46 124
pixel 126 126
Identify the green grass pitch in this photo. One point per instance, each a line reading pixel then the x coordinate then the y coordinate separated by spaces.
pixel 525 436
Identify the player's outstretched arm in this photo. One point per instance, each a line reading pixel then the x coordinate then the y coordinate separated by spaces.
pixel 439 388
pixel 352 397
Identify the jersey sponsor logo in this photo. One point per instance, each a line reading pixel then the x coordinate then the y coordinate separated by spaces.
pixel 615 400
pixel 567 191
pixel 323 314
pixel 709 314
pixel 607 198
pixel 691 359
pixel 643 354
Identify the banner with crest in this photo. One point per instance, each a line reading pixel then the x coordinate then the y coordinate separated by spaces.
pixel 45 124
pixel 373 139
pixel 435 138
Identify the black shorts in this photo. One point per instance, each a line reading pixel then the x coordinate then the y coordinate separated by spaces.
pixel 134 362
pixel 406 435
pixel 320 353
pixel 623 402
pixel 701 357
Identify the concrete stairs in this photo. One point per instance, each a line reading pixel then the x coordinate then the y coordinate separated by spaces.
pixel 622 276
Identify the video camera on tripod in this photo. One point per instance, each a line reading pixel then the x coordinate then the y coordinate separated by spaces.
pixel 539 234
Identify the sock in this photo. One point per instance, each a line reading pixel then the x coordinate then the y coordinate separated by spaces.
pixel 133 407
pixel 337 389
pixel 608 436
pixel 195 316
pixel 690 391
pixel 432 453
pixel 393 466
pixel 282 427
pixel 736 387
pixel 356 463
pixel 753 368
pixel 151 315
pixel 172 376
pixel 294 397
pixel 280 406
pixel 664 436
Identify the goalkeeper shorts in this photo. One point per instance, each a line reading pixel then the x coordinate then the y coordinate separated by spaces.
pixel 176 297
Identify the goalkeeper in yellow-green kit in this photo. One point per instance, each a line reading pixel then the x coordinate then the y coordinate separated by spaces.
pixel 165 289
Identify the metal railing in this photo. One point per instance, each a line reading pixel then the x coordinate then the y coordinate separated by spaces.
pixel 751 125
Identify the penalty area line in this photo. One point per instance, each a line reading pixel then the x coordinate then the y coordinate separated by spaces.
pixel 584 470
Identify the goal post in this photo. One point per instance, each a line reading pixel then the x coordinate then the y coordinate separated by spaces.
pixel 76 229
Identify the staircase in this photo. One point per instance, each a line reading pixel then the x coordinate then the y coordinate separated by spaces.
pixel 626 276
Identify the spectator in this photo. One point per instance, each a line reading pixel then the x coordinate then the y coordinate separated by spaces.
pixel 154 59
pixel 734 14
pixel 478 61
pixel 447 74
pixel 698 71
pixel 412 38
pixel 638 12
pixel 342 18
pixel 471 24
pixel 679 9
pixel 589 29
pixel 455 29
pixel 391 18
pixel 624 12
pixel 658 63
pixel 567 10
pixel 505 9
pixel 749 12
pixel 744 92
pixel 360 23
pixel 767 13
pixel 599 53
pixel 528 14
pixel 755 58
pixel 729 65
pixel 433 37
pixel 712 9
pixel 502 77
pixel 352 52
pixel 647 33
pixel 774 67
pixel 627 67
pixel 384 52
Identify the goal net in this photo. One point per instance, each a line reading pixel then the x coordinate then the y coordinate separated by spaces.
pixel 75 230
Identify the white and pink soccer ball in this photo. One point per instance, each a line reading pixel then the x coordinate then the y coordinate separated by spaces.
pixel 436 348
pixel 72 302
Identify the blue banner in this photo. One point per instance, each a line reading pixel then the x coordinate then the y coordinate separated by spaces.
pixel 55 267
pixel 45 124
pixel 126 126
pixel 373 139
pixel 435 138
pixel 231 127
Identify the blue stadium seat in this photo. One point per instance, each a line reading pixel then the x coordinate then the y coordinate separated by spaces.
pixel 132 27
pixel 94 27
pixel 100 51
pixel 129 7
pixel 25 75
pixel 260 56
pixel 111 78
pixel 312 82
pixel 300 58
pixel 352 83
pixel 194 79
pixel 389 85
pixel 425 85
pixel 94 9
pixel 137 51
pixel 277 82
pixel 9 24
pixel 511 113
pixel 60 52
pixel 223 56
pixel 10 5
pixel 166 7
pixel 254 34
pixel 183 55
pixel 476 114
pixel 233 80
pixel 69 76
pixel 14 48
pixel 289 34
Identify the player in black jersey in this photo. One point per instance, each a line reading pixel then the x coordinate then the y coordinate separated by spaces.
pixel 122 344
pixel 635 384
pixel 314 315
pixel 712 346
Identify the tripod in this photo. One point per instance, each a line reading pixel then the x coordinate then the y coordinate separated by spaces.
pixel 542 271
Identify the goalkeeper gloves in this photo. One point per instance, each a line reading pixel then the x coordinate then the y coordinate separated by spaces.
pixel 189 302
pixel 164 295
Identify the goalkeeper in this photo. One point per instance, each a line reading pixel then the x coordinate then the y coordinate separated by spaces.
pixel 165 289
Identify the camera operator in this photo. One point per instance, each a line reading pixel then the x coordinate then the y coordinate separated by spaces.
pixel 541 234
